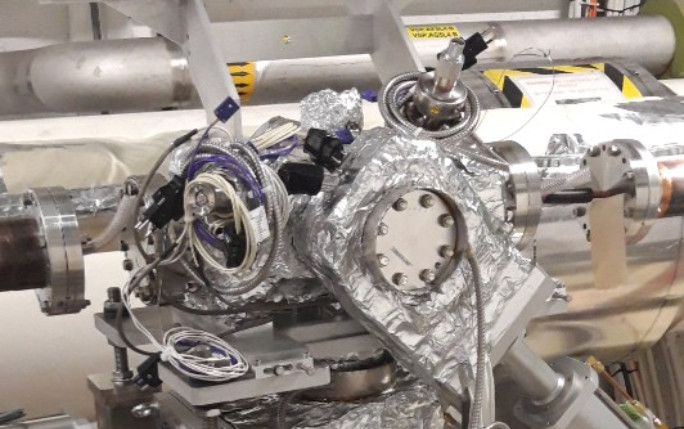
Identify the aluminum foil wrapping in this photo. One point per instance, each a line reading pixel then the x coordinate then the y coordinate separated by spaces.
pixel 332 111
pixel 408 405
pixel 566 144
pixel 433 337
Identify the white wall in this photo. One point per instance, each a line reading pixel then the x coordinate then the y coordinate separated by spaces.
pixel 44 360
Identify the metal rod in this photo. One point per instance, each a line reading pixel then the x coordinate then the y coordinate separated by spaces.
pixel 534 375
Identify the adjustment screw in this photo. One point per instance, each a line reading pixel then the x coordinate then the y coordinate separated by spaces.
pixel 427 201
pixel 428 276
pixel 400 279
pixel 614 151
pixel 383 260
pixel 446 252
pixel 383 229
pixel 446 221
pixel 400 205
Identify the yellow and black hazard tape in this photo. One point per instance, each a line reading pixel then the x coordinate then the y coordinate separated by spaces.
pixel 503 79
pixel 244 78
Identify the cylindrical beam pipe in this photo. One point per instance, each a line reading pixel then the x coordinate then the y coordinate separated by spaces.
pixel 113 75
pixel 23 256
pixel 151 74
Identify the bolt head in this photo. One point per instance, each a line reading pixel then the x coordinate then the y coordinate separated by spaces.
pixel 595 151
pixel 279 370
pixel 383 229
pixel 427 201
pixel 383 260
pixel 400 279
pixel 400 205
pixel 614 151
pixel 446 221
pixel 428 276
pixel 446 252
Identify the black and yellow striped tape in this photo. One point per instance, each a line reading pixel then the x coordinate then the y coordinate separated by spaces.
pixel 503 79
pixel 244 78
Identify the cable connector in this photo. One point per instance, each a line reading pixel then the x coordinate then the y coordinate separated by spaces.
pixel 226 109
pixel 475 45
pixel 167 203
pixel 148 373
pixel 324 149
pixel 300 178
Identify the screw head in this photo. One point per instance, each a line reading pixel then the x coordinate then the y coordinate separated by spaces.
pixel 595 151
pixel 428 276
pixel 279 370
pixel 614 151
pixel 400 205
pixel 446 221
pixel 427 201
pixel 383 260
pixel 446 252
pixel 383 229
pixel 400 279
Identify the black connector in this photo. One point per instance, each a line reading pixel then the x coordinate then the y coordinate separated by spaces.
pixel 185 138
pixel 325 150
pixel 301 178
pixel 474 46
pixel 148 372
pixel 167 203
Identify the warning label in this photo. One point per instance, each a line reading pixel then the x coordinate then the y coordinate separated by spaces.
pixel 574 84
pixel 433 32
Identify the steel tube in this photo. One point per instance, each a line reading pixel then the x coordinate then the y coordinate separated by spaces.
pixel 121 75
pixel 151 74
pixel 646 40
pixel 534 375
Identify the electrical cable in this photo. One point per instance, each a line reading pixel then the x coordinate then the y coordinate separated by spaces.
pixel 478 396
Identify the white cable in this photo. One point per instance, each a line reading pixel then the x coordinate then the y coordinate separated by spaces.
pixel 241 219
pixel 278 134
pixel 223 362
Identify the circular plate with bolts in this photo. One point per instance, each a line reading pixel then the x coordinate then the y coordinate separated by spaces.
pixel 414 240
pixel 628 166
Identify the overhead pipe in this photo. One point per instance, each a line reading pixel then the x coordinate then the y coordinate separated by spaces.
pixel 151 74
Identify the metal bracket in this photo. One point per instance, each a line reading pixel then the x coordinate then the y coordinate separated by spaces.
pixel 186 23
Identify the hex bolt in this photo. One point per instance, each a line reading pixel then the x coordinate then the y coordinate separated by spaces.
pixel 383 229
pixel 400 205
pixel 446 252
pixel 614 151
pixel 446 221
pixel 428 276
pixel 279 370
pixel 400 279
pixel 427 201
pixel 122 372
pixel 383 260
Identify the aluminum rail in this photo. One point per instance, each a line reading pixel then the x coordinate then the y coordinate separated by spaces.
pixel 151 74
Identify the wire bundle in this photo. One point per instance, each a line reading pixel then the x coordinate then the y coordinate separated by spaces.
pixel 276 135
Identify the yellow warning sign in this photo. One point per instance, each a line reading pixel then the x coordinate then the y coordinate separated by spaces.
pixel 530 86
pixel 433 31
pixel 244 78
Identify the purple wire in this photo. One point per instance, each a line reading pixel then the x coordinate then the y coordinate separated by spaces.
pixel 277 153
pixel 234 167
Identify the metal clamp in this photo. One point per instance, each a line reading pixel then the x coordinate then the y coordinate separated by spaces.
pixel 521 192
pixel 55 214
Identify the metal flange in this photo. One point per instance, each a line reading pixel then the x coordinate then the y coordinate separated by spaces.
pixel 56 217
